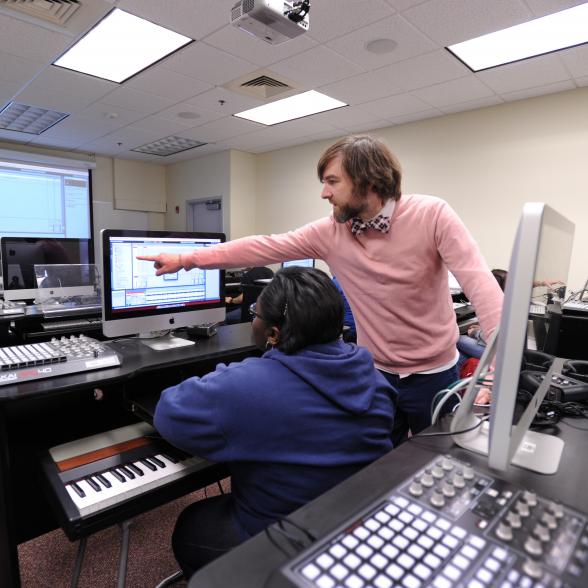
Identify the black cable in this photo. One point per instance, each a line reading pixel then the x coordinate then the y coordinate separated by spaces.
pixel 308 534
pixel 448 433
pixel 574 426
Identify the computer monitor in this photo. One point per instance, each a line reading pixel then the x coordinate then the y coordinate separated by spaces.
pixel 299 262
pixel 541 253
pixel 21 254
pixel 137 302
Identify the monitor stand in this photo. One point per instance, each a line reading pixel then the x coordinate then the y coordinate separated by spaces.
pixel 158 342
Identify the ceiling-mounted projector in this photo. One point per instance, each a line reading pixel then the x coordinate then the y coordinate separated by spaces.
pixel 273 21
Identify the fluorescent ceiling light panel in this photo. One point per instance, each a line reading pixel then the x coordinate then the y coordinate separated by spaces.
pixel 536 37
pixel 120 46
pixel 304 104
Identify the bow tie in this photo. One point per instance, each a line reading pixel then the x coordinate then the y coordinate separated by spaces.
pixel 380 223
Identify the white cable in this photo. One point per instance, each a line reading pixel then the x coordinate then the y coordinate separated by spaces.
pixel 450 392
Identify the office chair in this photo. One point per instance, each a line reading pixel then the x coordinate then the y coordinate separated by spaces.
pixel 250 294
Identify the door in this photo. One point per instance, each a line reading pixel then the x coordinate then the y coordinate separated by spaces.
pixel 205 216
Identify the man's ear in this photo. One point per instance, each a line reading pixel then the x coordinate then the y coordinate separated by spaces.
pixel 273 336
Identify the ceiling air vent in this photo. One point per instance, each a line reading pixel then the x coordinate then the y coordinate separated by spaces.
pixel 56 12
pixel 262 84
pixel 29 119
pixel 168 146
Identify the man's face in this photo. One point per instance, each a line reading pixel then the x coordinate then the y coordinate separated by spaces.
pixel 338 190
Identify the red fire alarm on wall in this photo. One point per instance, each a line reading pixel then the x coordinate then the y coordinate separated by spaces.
pixel 177 210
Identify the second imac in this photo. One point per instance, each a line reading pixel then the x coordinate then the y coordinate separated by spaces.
pixel 137 302
pixel 541 254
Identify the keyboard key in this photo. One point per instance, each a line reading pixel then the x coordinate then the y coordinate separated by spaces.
pixel 325 582
pixel 390 551
pixel 461 562
pixel 385 533
pixel 137 470
pixel 405 561
pixel 411 582
pixel 379 561
pixel 350 541
pixel 338 551
pixel 375 542
pixel 441 582
pixel 422 571
pixel 372 524
pixel 382 582
pixel 400 542
pixel 450 541
pixel 425 542
pixel 469 551
pixel 361 533
pixel 382 517
pixel 78 490
pixel 484 575
pixel 103 481
pixel 118 475
pixel 93 484
pixel 415 551
pixel 441 551
pixel 410 533
pixel 148 464
pixel 432 561
pixel 127 472
pixel 367 571
pixel 452 572
pixel 364 551
pixel 492 564
pixel 351 561
pixel 157 461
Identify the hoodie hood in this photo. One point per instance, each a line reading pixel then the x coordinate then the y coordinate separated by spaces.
pixel 341 372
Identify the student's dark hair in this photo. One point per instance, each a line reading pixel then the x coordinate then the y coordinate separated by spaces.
pixel 369 163
pixel 305 305
pixel 500 276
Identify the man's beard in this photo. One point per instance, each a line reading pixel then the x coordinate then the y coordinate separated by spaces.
pixel 348 211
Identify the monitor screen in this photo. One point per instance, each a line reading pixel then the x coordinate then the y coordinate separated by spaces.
pixel 44 201
pixel 299 262
pixel 136 301
pixel 21 254
pixel 540 255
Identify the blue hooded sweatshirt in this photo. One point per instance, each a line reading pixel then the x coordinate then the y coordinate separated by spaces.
pixel 289 426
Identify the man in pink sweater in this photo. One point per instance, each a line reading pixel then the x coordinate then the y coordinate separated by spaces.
pixel 390 252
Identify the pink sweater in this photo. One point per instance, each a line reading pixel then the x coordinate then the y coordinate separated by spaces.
pixel 396 283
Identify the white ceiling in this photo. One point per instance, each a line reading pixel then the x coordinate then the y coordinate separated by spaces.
pixel 418 80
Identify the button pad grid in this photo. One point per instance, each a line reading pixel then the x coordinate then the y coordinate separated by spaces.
pixel 400 543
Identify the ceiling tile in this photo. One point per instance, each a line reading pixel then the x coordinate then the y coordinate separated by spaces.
pixel 425 70
pixel 576 60
pixel 333 19
pixel 136 100
pixel 162 127
pixel 7 135
pixel 454 92
pixel 17 69
pixel 451 21
pixel 193 19
pixel 238 43
pixel 404 4
pixel 395 106
pixel 362 88
pixel 543 7
pixel 316 67
pixel 583 81
pixel 194 153
pixel 53 89
pixel 7 91
pixel 220 129
pixel 112 117
pixel 415 116
pixel 171 115
pixel 223 101
pixel 206 63
pixel 16 35
pixel 530 73
pixel 538 91
pixel 410 42
pixel 349 118
pixel 167 83
pixel 472 104
pixel 77 130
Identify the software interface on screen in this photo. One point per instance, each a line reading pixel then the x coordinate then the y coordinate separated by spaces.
pixel 135 287
pixel 44 201
pixel 299 263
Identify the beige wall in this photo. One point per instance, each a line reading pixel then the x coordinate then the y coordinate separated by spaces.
pixel 197 179
pixel 243 195
pixel 486 163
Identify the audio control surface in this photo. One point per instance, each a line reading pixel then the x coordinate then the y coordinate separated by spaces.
pixel 450 526
pixel 58 357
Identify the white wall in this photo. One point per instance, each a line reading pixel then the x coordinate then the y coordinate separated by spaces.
pixel 243 195
pixel 486 163
pixel 197 179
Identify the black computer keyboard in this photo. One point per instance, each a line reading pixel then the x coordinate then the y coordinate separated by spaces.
pixel 450 526
pixel 58 357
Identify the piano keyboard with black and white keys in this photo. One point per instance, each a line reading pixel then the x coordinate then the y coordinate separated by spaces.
pixel 99 480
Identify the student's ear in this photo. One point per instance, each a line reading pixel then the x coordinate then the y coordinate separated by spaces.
pixel 273 336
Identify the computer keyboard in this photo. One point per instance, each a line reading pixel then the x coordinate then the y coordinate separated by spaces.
pixel 537 309
pixel 575 305
pixel 450 526
pixel 9 307
pixel 58 357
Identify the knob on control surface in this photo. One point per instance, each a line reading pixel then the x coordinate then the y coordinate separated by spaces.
pixel 437 499
pixel 533 546
pixel 513 519
pixel 504 531
pixel 415 489
pixel 458 480
pixel 532 568
pixel 427 480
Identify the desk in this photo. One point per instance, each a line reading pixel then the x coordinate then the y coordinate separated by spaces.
pixel 254 561
pixel 42 413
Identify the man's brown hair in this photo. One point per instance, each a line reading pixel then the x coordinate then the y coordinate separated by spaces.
pixel 368 162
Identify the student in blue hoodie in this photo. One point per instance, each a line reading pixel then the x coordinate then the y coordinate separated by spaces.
pixel 308 413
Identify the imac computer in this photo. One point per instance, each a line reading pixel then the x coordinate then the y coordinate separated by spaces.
pixel 541 254
pixel 299 263
pixel 21 254
pixel 137 302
